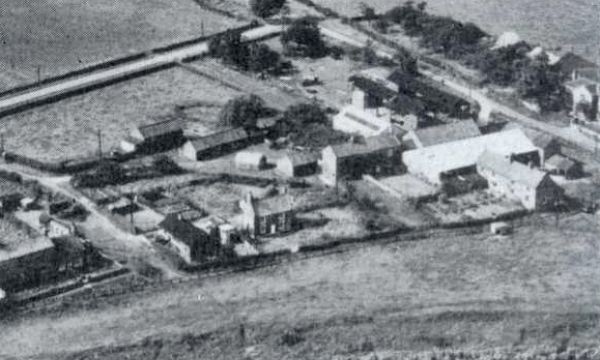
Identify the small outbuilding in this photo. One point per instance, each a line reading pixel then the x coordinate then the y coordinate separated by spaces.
pixel 563 166
pixel 298 164
pixel 248 160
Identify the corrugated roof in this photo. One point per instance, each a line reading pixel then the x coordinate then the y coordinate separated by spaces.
pixel 219 138
pixel 440 134
pixel 370 145
pixel 273 205
pixel 160 128
pixel 512 170
pixel 441 158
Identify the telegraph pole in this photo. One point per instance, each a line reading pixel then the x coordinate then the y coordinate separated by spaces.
pixel 99 134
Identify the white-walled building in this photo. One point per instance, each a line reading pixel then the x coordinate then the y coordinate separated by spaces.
pixel 432 162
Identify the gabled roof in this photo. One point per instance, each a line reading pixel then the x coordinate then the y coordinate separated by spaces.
pixel 301 158
pixel 160 128
pixel 542 140
pixel 440 134
pixel 560 162
pixel 571 62
pixel 371 144
pixel 183 230
pixel 219 138
pixel 512 170
pixel 441 158
pixel 405 105
pixel 372 87
pixel 273 205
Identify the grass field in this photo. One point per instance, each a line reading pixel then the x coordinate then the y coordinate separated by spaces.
pixel 537 287
pixel 60 36
pixel 68 128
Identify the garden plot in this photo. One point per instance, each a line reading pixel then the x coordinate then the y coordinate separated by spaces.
pixel 69 128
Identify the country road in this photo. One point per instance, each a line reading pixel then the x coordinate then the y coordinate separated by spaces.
pixel 97 78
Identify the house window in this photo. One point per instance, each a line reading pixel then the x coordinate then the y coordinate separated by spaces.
pixel 262 225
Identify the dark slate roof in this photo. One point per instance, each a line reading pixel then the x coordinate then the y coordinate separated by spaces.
pixel 440 134
pixel 372 87
pixel 571 62
pixel 161 128
pixel 219 138
pixel 405 105
pixel 301 159
pixel 370 145
pixel 183 230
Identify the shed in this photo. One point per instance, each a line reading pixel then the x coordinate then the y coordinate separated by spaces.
pixel 562 165
pixel 248 160
pixel 217 144
pixel 297 164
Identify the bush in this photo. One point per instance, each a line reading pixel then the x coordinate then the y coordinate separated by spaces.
pixel 242 111
pixel 266 8
pixel 303 38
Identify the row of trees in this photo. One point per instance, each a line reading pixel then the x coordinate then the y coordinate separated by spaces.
pixel 255 57
pixel 305 124
pixel 534 79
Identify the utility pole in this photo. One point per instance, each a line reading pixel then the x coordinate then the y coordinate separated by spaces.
pixel 99 133
pixel 202 27
pixel 39 73
pixel 2 142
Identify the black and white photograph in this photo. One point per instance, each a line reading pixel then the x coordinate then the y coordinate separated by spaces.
pixel 300 179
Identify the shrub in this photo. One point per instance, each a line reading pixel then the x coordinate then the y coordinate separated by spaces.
pixel 303 38
pixel 266 8
pixel 242 111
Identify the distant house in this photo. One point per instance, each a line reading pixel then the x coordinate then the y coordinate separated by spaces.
pixel 584 93
pixel 190 242
pixel 268 216
pixel 55 228
pixel 532 187
pixel 217 144
pixel 433 163
pixel 375 155
pixel 570 63
pixel 248 160
pixel 295 164
pixel 549 145
pixel 163 135
pixel 562 165
pixel 434 135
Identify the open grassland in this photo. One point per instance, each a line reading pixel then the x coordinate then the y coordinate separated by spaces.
pixel 68 128
pixel 61 36
pixel 554 23
pixel 538 287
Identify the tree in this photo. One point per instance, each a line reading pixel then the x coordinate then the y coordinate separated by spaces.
pixel 230 48
pixel 242 111
pixel 303 37
pixel 367 12
pixel 407 62
pixel 262 58
pixel 539 81
pixel 300 115
pixel 266 8
pixel 369 56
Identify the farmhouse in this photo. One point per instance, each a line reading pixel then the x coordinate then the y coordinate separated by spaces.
pixel 562 165
pixel 432 163
pixel 268 216
pixel 297 164
pixel 191 243
pixel 162 135
pixel 375 156
pixel 217 144
pixel 247 160
pixel 441 134
pixel 533 188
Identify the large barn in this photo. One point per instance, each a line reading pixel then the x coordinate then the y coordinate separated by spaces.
pixel 432 163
